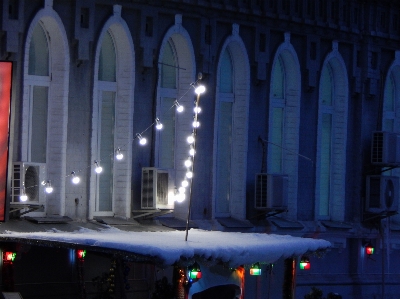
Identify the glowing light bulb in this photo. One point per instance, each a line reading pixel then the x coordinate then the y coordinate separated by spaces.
pixel 189 174
pixel 118 154
pixel 200 89
pixel 142 140
pixel 190 139
pixel 75 179
pixel 49 188
pixel 23 196
pixel 182 189
pixel 98 168
pixel 159 125
pixel 192 151
pixel 185 183
pixel 179 108
pixel 196 124
pixel 188 162
pixel 197 109
pixel 180 197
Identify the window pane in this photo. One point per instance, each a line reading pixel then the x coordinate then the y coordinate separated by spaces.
pixel 226 73
pixel 325 177
pixel 167 135
pixel 278 79
pixel 326 86
pixel 107 61
pixel 276 139
pixel 39 124
pixel 168 67
pixel 106 147
pixel 389 95
pixel 224 148
pixel 38 53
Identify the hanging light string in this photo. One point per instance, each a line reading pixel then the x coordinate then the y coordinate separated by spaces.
pixel 117 151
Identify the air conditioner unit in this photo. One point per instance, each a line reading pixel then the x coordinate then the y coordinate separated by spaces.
pixel 385 148
pixel 271 191
pixel 28 177
pixel 156 189
pixel 382 194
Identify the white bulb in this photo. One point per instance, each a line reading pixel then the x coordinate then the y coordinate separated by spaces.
pixel 200 89
pixel 185 183
pixel 190 139
pixel 189 174
pixel 180 197
pixel 143 141
pixel 197 109
pixel 191 152
pixel 76 180
pixel 159 126
pixel 179 108
pixel 119 156
pixel 49 189
pixel 196 124
pixel 23 197
pixel 182 189
pixel 188 163
pixel 98 169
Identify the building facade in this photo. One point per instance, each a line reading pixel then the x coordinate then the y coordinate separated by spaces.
pixel 295 90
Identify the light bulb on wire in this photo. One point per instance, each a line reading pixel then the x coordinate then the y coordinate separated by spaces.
pixel 179 107
pixel 142 140
pixel 200 89
pixel 75 179
pixel 98 168
pixel 48 188
pixel 197 109
pixel 23 196
pixel 118 154
pixel 159 125
pixel 188 162
pixel 189 174
pixel 196 124
pixel 185 183
pixel 190 139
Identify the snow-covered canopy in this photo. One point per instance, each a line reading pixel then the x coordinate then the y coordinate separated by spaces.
pixel 170 247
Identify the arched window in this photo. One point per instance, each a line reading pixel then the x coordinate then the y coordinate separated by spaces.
pixel 332 139
pixel 105 133
pixel 326 115
pixel 231 129
pixel 284 120
pixel 278 118
pixel 224 134
pixel 112 119
pixel 391 110
pixel 167 96
pixel 38 80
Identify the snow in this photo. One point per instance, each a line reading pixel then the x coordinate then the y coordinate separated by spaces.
pixel 170 246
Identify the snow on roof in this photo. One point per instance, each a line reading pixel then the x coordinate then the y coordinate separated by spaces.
pixel 170 247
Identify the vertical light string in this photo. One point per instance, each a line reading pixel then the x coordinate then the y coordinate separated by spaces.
pixel 199 90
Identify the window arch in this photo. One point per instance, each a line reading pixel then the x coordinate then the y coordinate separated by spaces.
pixel 284 119
pixel 332 138
pixel 231 129
pixel 112 119
pixel 176 71
pixel 391 108
pixel 44 134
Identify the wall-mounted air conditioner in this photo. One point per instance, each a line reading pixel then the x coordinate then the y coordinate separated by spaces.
pixel 271 191
pixel 27 177
pixel 156 189
pixel 385 148
pixel 382 194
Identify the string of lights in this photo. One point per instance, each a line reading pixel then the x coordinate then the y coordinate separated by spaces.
pixel 118 152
